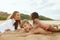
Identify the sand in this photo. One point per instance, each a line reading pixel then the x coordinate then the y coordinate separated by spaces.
pixel 14 36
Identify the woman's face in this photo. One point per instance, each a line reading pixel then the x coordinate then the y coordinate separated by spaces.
pixel 17 16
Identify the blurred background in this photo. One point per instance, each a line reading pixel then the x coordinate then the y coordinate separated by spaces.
pixel 49 9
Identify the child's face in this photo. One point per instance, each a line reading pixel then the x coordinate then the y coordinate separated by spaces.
pixel 31 16
pixel 26 26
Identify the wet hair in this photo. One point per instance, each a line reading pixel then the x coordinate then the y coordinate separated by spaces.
pixel 34 15
pixel 17 21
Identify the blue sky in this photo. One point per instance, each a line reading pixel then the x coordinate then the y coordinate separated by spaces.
pixel 48 8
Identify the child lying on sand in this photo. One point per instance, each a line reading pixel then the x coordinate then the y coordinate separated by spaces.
pixel 38 26
pixel 31 30
pixel 26 25
pixel 45 26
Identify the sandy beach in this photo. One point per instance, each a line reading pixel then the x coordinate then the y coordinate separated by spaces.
pixel 13 36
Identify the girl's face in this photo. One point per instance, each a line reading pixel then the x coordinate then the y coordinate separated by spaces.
pixel 27 26
pixel 17 16
pixel 31 16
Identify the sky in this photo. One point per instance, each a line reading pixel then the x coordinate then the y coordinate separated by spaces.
pixel 48 8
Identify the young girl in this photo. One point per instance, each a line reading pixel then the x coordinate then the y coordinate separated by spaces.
pixel 11 23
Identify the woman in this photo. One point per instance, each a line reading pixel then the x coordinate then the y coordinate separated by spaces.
pixel 11 23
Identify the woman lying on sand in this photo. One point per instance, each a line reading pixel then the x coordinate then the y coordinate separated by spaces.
pixel 11 23
pixel 26 25
pixel 38 26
